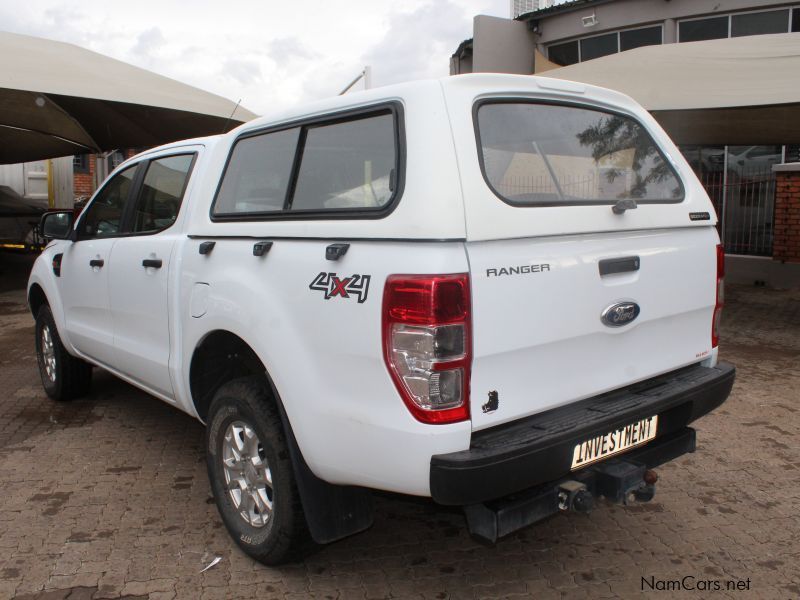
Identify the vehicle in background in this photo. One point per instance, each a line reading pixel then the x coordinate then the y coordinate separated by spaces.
pixel 18 221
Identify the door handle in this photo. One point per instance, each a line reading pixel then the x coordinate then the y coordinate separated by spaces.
pixel 154 263
pixel 97 262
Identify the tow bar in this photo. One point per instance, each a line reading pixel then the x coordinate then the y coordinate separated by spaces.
pixel 619 481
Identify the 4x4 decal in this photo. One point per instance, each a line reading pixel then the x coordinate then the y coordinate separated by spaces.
pixel 333 285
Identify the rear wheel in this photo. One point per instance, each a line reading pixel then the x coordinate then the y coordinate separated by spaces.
pixel 251 474
pixel 64 376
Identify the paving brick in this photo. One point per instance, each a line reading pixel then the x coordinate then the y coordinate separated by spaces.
pixel 94 499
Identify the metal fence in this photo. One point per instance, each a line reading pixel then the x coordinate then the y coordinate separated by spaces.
pixel 745 203
pixel 572 186
pixel 744 198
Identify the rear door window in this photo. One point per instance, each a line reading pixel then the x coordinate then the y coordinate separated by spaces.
pixel 162 192
pixel 550 154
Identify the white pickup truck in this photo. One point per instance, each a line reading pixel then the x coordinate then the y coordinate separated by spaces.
pixel 500 292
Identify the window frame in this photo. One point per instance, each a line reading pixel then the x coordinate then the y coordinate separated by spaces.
pixel 126 218
pixel 595 36
pixel 586 106
pixel 576 41
pixel 773 9
pixel 395 108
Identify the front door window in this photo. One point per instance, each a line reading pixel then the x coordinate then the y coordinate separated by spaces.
pixel 103 217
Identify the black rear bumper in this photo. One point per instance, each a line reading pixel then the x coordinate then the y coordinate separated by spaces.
pixel 529 452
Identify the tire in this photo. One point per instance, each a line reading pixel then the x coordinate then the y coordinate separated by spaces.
pixel 246 445
pixel 64 377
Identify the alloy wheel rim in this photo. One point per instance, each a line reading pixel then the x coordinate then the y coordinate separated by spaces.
pixel 48 354
pixel 248 478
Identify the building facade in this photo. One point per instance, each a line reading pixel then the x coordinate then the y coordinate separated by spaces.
pixel 740 179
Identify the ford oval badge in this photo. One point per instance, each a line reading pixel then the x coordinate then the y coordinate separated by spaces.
pixel 619 314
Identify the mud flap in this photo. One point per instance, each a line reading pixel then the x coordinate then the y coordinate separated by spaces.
pixel 332 511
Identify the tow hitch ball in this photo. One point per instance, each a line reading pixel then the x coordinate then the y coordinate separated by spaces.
pixel 619 482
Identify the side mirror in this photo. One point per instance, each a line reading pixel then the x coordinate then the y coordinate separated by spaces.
pixel 56 225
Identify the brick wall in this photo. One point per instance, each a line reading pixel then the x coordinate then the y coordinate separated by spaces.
pixel 83 183
pixel 786 245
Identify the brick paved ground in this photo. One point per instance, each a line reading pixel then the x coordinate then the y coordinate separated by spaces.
pixel 107 497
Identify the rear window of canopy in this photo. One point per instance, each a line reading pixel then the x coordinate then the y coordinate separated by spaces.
pixel 552 154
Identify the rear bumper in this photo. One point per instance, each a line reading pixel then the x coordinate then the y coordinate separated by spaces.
pixel 529 452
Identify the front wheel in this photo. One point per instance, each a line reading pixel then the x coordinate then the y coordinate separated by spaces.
pixel 64 377
pixel 251 474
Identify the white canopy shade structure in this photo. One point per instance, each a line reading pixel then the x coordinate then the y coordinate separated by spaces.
pixel 58 99
pixel 743 90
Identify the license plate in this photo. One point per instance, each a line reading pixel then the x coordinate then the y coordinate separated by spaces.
pixel 614 442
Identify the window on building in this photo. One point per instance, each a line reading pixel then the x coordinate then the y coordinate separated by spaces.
pixel 792 153
pixel 703 29
pixel 563 54
pixel 796 20
pixel 80 163
pixel 601 45
pixel 115 159
pixel 759 23
pixel 635 38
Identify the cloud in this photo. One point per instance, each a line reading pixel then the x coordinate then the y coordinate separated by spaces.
pixel 418 44
pixel 147 42
pixel 289 48
pixel 242 70
pixel 272 54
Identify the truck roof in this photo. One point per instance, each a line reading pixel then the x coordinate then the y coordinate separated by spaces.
pixel 480 83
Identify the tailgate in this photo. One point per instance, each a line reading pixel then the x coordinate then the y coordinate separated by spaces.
pixel 590 241
pixel 539 339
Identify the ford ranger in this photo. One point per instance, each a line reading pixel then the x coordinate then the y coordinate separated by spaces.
pixel 499 292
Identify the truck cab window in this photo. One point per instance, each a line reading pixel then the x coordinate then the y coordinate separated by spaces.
pixel 258 174
pixel 103 217
pixel 347 165
pixel 162 191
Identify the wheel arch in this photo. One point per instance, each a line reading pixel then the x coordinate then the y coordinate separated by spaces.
pixel 332 511
pixel 36 299
pixel 219 357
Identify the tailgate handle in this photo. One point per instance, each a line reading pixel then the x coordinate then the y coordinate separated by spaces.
pixel 609 266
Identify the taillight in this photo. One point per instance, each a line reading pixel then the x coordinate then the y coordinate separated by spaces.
pixel 720 296
pixel 427 344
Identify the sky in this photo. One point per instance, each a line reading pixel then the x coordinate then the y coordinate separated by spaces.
pixel 267 53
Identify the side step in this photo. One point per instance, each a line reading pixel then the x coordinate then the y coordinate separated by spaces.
pixel 622 481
